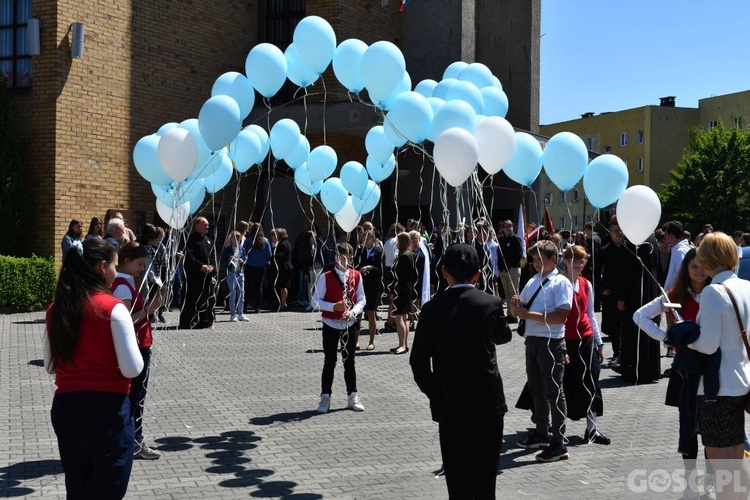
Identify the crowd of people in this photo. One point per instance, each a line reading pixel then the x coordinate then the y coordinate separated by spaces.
pixel 550 284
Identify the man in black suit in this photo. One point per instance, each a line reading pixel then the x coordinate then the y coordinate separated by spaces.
pixel 509 257
pixel 594 264
pixel 198 306
pixel 454 363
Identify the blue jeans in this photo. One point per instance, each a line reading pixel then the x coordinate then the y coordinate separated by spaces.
pixel 236 284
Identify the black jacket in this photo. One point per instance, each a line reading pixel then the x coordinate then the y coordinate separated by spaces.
pixel 509 252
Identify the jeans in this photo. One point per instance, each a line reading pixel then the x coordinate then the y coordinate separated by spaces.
pixel 236 284
pixel 545 367
pixel 138 390
pixel 331 340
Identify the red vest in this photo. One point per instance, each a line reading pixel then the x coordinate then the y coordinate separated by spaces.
pixel 335 290
pixel 578 326
pixel 94 365
pixel 143 326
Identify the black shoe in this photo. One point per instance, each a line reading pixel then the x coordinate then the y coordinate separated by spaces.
pixel 554 452
pixel 534 441
pixel 596 437
pixel 162 319
pixel 512 320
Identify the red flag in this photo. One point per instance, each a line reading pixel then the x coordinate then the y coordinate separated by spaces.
pixel 548 222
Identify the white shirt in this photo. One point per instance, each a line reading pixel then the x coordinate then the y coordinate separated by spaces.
pixel 492 248
pixel 589 312
pixel 321 305
pixel 719 330
pixel 122 292
pixel 390 251
pixel 678 254
pixel 557 293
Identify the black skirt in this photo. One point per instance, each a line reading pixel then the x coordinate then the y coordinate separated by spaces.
pixel 581 380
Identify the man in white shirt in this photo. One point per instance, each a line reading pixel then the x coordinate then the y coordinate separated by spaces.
pixel 674 235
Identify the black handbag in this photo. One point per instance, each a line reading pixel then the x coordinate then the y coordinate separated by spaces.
pixel 521 330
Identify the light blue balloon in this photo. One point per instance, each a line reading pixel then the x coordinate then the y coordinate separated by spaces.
pixel 426 87
pixel 466 91
pixel 299 155
pixel 303 182
pixel 204 152
pixel 194 191
pixel 441 89
pixel 454 69
pixel 166 128
pixel 478 74
pixel 495 102
pixel 453 114
pixel 354 177
pixel 321 163
pixel 315 41
pixel 525 163
pixel 146 160
pixel 410 119
pixel 333 195
pixel 297 72
pixel 221 177
pixel 266 67
pixel 219 121
pixel 245 150
pixel 383 68
pixel 238 87
pixel 404 86
pixel 380 171
pixel 369 199
pixel 284 137
pixel 496 82
pixel 347 64
pixel 265 143
pixel 565 160
pixel 377 144
pixel 166 193
pixel 435 103
pixel 605 180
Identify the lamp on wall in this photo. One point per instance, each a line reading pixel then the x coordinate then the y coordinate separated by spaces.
pixel 76 48
pixel 32 36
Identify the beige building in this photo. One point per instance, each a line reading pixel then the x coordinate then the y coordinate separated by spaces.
pixel 650 140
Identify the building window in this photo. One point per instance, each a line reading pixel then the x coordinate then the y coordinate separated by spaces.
pixel 576 196
pixel 640 137
pixel 623 139
pixel 278 20
pixel 640 164
pixel 562 197
pixel 15 61
pixel 575 222
pixel 590 143
pixel 737 121
pixel 562 223
pixel 589 218
pixel 712 124
pixel 548 199
pixel 607 149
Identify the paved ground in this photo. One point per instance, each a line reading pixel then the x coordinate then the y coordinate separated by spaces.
pixel 232 411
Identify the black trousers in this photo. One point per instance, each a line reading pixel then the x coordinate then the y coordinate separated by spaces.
pixel 254 286
pixel 471 450
pixel 545 369
pixel 332 338
pixel 198 306
pixel 138 390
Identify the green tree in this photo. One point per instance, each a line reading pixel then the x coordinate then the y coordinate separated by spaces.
pixel 711 184
pixel 12 197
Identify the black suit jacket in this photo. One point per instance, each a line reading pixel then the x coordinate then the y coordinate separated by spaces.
pixel 453 357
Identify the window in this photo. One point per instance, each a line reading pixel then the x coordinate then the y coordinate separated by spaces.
pixel 562 197
pixel 590 143
pixel 15 61
pixel 640 164
pixel 548 199
pixel 623 139
pixel 278 20
pixel 607 149
pixel 712 124
pixel 737 121
pixel 576 196
pixel 640 137
pixel 562 223
pixel 589 218
pixel 575 222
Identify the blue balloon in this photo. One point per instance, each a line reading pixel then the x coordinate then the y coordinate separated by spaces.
pixel 297 72
pixel 383 68
pixel 478 74
pixel 495 102
pixel 404 86
pixel 380 171
pixel 377 144
pixel 496 82
pixel 565 160
pixel 238 87
pixel 221 177
pixel 410 119
pixel 299 155
pixel 166 128
pixel 315 41
pixel 303 182
pixel 453 114
pixel 435 103
pixel 354 178
pixel 284 137
pixel 265 143
pixel 219 121
pixel 166 193
pixel 605 180
pixel 146 160
pixel 205 155
pixel 369 199
pixel 454 69
pixel 426 87
pixel 441 89
pixel 266 68
pixel 525 163
pixel 194 191
pixel 321 163
pixel 347 64
pixel 333 194
pixel 245 150
pixel 466 91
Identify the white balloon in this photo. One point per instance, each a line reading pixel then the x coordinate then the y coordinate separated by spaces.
pixel 348 218
pixel 178 153
pixel 175 217
pixel 638 213
pixel 496 139
pixel 456 154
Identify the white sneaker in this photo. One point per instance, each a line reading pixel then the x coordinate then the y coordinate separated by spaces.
pixel 234 319
pixel 325 403
pixel 242 317
pixel 354 402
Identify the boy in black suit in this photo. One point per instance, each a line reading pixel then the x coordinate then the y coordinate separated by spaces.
pixel 454 363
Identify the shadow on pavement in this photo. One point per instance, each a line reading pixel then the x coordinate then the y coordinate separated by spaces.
pixel 283 417
pixel 12 476
pixel 39 321
pixel 37 362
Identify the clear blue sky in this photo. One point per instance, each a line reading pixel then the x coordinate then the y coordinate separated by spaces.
pixel 610 55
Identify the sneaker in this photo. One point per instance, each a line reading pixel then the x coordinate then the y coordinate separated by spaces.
pixel 242 317
pixel 325 403
pixel 554 452
pixel 534 441
pixel 596 437
pixel 234 319
pixel 354 402
pixel 143 452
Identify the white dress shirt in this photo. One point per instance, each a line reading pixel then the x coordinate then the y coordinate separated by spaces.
pixel 319 304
